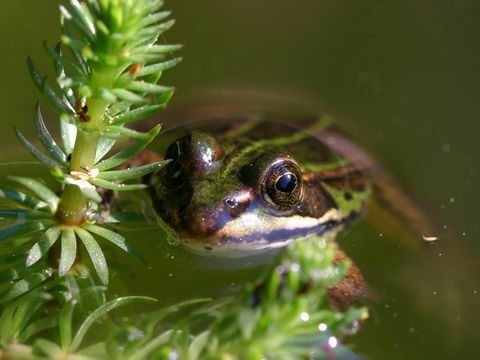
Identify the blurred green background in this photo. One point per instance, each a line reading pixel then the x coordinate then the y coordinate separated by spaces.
pixel 403 77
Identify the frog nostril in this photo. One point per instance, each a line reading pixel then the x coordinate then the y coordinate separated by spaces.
pixel 235 207
pixel 231 203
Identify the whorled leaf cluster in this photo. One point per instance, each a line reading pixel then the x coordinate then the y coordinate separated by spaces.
pixel 107 66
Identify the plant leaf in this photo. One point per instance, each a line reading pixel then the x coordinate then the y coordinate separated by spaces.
pixel 47 139
pixel 129 152
pixel 23 199
pixel 114 238
pixel 148 88
pixel 11 231
pixel 104 146
pixel 38 189
pixel 126 132
pixel 44 159
pixel 65 322
pixel 165 65
pixel 69 251
pixel 129 96
pixel 69 135
pixel 42 246
pixel 38 326
pixel 131 173
pixel 118 187
pixel 25 285
pixel 23 214
pixel 152 345
pixel 55 101
pixel 99 313
pixel 137 114
pixel 95 253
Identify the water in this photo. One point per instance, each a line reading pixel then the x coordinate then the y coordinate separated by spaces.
pixel 402 77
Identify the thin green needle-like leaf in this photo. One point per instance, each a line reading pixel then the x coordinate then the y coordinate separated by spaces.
pixel 154 18
pixel 23 199
pixel 137 114
pixel 114 238
pixel 44 159
pixel 46 139
pixel 24 214
pixel 129 152
pixel 15 230
pixel 38 189
pixel 38 326
pixel 95 253
pixel 69 134
pixel 151 346
pixel 68 252
pixel 49 94
pixel 61 60
pixel 118 187
pixel 129 96
pixel 65 322
pixel 155 68
pixel 197 345
pixel 147 88
pixel 126 132
pixel 99 313
pixel 105 144
pixel 25 285
pixel 131 173
pixel 42 246
pixel 164 48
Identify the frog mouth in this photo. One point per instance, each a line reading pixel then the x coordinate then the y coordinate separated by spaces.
pixel 235 240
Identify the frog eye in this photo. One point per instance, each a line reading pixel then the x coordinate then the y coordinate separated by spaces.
pixel 282 186
pixel 177 152
pixel 178 149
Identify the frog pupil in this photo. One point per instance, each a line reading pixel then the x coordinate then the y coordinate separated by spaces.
pixel 286 183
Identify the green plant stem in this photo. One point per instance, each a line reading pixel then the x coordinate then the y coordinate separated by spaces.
pixel 73 204
pixel 72 209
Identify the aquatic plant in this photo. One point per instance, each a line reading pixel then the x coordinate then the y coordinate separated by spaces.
pixel 107 65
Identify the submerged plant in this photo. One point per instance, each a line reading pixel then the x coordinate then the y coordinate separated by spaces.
pixel 107 65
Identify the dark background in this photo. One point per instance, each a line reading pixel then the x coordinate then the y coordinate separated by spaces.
pixel 402 76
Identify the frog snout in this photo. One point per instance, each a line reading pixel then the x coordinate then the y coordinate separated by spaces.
pixel 202 220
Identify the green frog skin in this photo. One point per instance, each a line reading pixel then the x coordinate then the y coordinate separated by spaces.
pixel 238 187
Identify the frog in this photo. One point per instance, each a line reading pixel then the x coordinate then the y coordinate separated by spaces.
pixel 241 185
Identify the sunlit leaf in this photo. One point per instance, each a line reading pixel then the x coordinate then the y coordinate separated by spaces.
pixel 22 199
pixel 42 246
pixel 129 152
pixel 131 173
pixel 44 159
pixel 46 139
pixel 114 238
pixel 14 230
pixel 137 114
pixel 95 253
pixel 118 187
pixel 38 189
pixel 68 252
